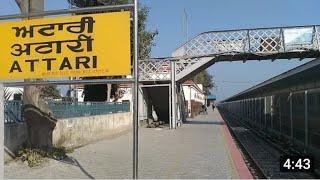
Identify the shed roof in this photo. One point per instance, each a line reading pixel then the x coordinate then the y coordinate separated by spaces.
pixel 307 72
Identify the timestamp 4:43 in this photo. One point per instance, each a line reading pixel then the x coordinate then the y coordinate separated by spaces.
pixel 296 164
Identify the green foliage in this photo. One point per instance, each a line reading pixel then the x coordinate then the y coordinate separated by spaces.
pixel 146 38
pixel 31 156
pixel 68 150
pixel 206 80
pixel 34 157
pixel 50 91
pixel 88 3
pixel 146 42
pixel 114 2
pixel 84 3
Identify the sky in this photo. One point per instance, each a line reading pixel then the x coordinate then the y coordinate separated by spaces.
pixel 166 16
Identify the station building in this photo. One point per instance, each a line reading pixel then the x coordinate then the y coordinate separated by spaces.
pixel 194 97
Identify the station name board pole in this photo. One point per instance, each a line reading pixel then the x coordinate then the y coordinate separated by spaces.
pixel 136 95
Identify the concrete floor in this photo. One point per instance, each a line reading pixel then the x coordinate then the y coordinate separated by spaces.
pixel 195 150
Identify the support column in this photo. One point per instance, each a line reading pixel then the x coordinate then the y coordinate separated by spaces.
pixel 173 93
pixel 317 36
pixel 178 110
pixel 271 112
pixel 306 123
pixel 291 118
pixel 170 108
pixel 280 116
pixel 260 112
pixel 265 113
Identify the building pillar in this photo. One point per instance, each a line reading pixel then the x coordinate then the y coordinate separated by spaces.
pixel 306 120
pixel 291 117
pixel 173 94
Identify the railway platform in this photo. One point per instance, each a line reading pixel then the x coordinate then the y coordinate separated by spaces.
pixel 201 148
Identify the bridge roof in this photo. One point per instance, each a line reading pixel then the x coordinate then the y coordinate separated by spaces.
pixel 211 97
pixel 308 72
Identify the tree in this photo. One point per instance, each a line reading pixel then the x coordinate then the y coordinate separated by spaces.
pixel 146 38
pixel 31 94
pixel 36 111
pixel 88 3
pixel 146 41
pixel 206 80
pixel 50 91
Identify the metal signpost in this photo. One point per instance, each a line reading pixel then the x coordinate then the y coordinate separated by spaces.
pixel 77 46
pixel 135 94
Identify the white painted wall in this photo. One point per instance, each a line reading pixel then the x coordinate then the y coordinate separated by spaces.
pixel 192 93
pixel 79 131
pixel 127 96
pixel 79 94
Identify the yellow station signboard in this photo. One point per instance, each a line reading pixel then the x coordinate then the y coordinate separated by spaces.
pixel 70 46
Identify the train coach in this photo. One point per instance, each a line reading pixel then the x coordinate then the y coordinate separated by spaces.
pixel 286 107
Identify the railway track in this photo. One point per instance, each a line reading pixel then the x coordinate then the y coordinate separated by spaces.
pixel 262 154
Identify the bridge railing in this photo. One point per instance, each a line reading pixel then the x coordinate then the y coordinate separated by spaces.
pixel 154 70
pixel 80 109
pixel 245 44
pixel 13 112
pixel 60 110
pixel 262 41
